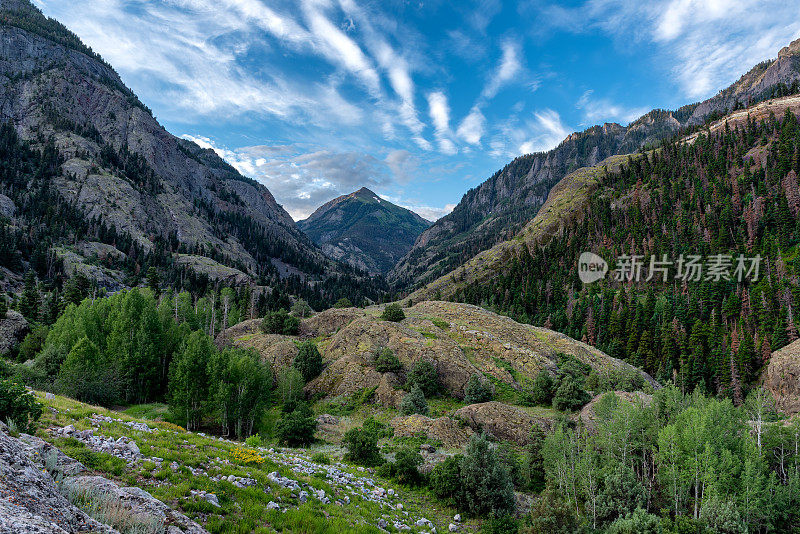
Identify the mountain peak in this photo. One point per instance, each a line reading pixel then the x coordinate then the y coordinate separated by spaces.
pixel 792 49
pixel 364 192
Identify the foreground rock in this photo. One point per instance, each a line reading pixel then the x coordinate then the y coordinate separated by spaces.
pixel 502 421
pixel 782 378
pixel 31 502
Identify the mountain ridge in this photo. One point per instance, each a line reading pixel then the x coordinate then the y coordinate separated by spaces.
pixel 499 207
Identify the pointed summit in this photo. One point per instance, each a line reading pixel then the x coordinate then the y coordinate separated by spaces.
pixel 364 230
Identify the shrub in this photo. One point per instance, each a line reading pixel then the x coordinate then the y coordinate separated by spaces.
pixel 477 391
pixel 394 313
pixel 320 458
pixel 245 456
pixel 387 362
pixel 308 360
pixel 362 444
pixel 343 302
pixel 551 514
pixel 297 427
pixel 405 467
pixel 280 322
pixel 641 522
pixel 414 402
pixel 503 524
pixel 570 394
pixel 424 375
pixel 254 441
pixel 543 388
pixel 17 404
pixel 33 343
pixel 485 483
pixel 445 479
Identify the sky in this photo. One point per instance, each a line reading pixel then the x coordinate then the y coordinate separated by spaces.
pixel 418 100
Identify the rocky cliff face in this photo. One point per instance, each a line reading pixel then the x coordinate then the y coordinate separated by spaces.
pixel 782 378
pixel 498 208
pixel 364 230
pixel 120 166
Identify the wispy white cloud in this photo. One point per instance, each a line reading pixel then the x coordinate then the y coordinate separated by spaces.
pixel 542 132
pixel 508 68
pixel 471 128
pixel 602 110
pixel 439 111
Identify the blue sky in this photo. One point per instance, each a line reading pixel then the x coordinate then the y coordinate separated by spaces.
pixel 418 100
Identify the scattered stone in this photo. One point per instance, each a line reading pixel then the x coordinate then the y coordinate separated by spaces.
pixel 457 518
pixel 452 527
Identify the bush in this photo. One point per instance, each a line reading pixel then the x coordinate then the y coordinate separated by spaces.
pixel 551 514
pixel 504 524
pixel 297 427
pixel 362 444
pixel 486 485
pixel 308 360
pixel 543 389
pixel 640 522
pixel 405 468
pixel 33 343
pixel 445 479
pixel 320 458
pixel 18 405
pixel 414 402
pixel 254 441
pixel 477 391
pixel 343 302
pixel 394 313
pixel 424 375
pixel 280 322
pixel 570 394
pixel 387 362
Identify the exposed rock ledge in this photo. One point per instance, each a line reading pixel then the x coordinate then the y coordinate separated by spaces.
pixel 31 503
pixel 782 378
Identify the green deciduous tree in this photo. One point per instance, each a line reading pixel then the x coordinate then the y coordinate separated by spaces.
pixel 190 380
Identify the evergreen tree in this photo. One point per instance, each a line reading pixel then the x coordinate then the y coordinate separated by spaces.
pixel 308 360
pixel 414 402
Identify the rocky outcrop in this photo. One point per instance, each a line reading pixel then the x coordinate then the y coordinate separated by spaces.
pixel 502 421
pixel 352 350
pixel 13 329
pixel 451 433
pixel 328 322
pixel 32 502
pixel 782 378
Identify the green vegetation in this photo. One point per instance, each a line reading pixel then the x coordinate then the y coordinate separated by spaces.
pixel 343 302
pixel 297 426
pixel 280 322
pixel 393 312
pixel 387 362
pixel 424 376
pixel 308 360
pixel 362 443
pixel 476 391
pixel 18 406
pixel 414 402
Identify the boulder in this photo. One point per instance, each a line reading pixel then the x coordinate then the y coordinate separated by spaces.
pixel 782 378
pixel 13 329
pixel 502 421
pixel 329 322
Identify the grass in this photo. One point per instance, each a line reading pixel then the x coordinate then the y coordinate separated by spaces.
pixel 155 411
pixel 242 510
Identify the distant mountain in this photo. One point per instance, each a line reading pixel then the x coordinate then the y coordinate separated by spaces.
pixel 498 208
pixel 113 176
pixel 364 230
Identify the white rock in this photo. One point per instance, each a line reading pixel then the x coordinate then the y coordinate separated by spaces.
pixel 452 528
pixel 457 518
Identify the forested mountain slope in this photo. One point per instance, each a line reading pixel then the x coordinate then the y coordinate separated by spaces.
pixel 86 162
pixel 364 230
pixel 732 191
pixel 498 208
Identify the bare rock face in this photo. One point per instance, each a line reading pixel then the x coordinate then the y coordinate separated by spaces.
pixel 276 350
pixel 13 329
pixel 502 421
pixel 29 499
pixel 589 416
pixel 782 378
pixel 450 432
